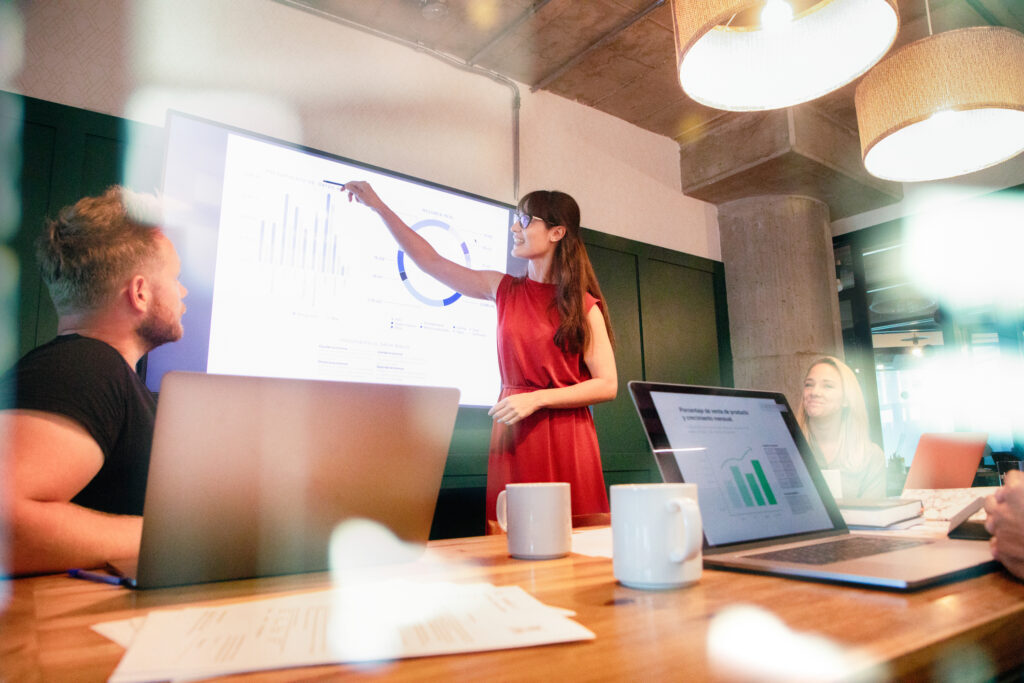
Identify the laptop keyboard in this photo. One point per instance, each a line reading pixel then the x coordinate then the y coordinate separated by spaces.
pixel 849 548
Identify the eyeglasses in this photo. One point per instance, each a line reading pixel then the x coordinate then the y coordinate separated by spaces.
pixel 524 219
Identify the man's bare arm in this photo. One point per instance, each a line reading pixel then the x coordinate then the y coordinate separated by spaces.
pixel 50 459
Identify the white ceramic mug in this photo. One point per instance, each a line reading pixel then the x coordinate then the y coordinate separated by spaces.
pixel 656 535
pixel 537 519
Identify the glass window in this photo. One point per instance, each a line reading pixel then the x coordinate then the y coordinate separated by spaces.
pixel 948 354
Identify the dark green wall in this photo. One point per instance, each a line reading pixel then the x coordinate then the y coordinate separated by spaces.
pixel 67 154
pixel 667 308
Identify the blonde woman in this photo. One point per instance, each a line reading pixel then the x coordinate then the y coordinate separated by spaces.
pixel 834 420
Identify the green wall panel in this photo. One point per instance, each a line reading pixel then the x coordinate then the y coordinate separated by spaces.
pixel 639 476
pixel 35 310
pixel 680 329
pixel 470 442
pixel 623 444
pixel 69 153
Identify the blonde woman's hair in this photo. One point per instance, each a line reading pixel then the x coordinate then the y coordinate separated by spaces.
pixel 854 438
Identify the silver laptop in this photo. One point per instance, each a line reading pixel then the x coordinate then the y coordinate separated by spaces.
pixel 764 503
pixel 249 476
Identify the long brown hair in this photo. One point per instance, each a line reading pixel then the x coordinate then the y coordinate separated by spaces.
pixel 571 271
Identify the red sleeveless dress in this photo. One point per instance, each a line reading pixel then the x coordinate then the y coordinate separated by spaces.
pixel 553 444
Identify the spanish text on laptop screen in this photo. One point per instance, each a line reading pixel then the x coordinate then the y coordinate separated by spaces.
pixel 752 482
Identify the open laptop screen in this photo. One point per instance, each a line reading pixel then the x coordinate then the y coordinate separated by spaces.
pixel 743 450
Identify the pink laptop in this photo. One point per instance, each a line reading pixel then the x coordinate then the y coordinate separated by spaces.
pixel 946 461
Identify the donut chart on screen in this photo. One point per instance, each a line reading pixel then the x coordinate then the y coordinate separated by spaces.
pixel 403 274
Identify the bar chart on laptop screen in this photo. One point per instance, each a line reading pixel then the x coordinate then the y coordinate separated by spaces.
pixel 750 475
pixel 745 482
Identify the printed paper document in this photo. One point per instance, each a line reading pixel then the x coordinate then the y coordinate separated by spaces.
pixel 384 621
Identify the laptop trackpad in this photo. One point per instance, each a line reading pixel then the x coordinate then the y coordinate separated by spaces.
pixel 936 558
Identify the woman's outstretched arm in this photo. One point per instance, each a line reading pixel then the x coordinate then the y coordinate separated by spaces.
pixel 478 284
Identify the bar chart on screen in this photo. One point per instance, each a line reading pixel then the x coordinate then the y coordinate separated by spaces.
pixel 746 484
pixel 302 242
pixel 750 488
pixel 753 480
pixel 310 284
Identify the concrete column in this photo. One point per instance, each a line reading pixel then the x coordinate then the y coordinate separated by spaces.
pixel 781 284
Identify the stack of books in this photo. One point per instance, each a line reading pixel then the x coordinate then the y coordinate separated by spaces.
pixel 961 515
pixel 879 513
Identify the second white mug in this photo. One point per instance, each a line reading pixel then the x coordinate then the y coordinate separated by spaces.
pixel 537 518
pixel 656 535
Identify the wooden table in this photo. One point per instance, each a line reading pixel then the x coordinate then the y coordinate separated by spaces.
pixel 641 635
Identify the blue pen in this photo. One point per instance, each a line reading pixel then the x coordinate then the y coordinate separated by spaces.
pixel 331 182
pixel 94 576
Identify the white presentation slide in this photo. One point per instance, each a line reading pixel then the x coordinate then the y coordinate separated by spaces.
pixel 310 285
pixel 752 482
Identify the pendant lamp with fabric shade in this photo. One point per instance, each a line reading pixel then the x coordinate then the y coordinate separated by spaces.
pixel 943 106
pixel 752 55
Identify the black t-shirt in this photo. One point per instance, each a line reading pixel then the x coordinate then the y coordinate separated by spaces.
pixel 90 382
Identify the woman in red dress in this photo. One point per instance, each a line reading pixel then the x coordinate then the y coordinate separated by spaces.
pixel 554 348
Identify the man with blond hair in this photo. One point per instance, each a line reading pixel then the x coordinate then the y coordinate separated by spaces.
pixel 79 422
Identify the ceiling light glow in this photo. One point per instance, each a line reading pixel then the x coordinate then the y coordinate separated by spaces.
pixel 943 106
pixel 776 14
pixel 736 59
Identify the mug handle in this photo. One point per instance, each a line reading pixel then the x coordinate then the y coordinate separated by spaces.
pixel 687 537
pixel 502 510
